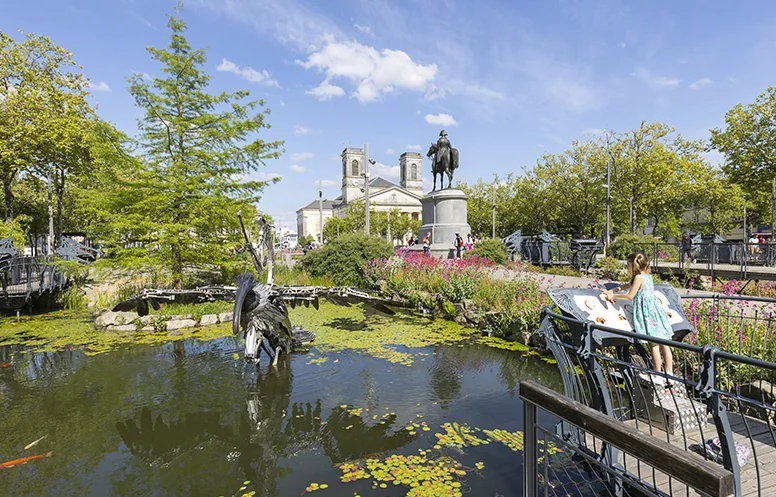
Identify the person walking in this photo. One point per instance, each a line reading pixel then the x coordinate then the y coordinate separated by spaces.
pixel 649 318
pixel 686 247
pixel 458 245
pixel 426 246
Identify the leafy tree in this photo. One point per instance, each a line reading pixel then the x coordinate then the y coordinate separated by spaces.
pixel 490 249
pixel 354 220
pixel 43 111
pixel 343 258
pixel 749 145
pixel 178 206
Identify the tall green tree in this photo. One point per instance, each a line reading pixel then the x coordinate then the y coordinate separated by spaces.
pixel 198 151
pixel 43 110
pixel 749 144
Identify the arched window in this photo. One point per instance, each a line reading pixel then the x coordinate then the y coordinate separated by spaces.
pixel 414 171
pixel 354 168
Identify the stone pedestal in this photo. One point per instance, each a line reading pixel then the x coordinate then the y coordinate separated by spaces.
pixel 444 215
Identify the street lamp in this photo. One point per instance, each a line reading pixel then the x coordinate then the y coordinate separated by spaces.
pixel 391 204
pixel 367 161
pixel 608 204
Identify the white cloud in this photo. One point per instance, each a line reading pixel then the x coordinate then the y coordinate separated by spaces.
pixel 701 84
pixel 297 168
pixel 328 183
pixel 373 73
pixel 441 120
pixel 593 131
pixel 301 156
pixel 248 73
pixel 300 130
pixel 101 86
pixel 363 29
pixel 390 151
pixel 655 80
pixel 326 91
pixel 391 173
pixel 623 44
pixel 413 147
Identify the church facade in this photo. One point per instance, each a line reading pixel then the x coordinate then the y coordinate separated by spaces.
pixel 384 195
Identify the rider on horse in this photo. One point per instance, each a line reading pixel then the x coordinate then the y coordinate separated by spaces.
pixel 445 159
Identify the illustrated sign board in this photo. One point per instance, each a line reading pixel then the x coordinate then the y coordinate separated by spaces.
pixel 588 304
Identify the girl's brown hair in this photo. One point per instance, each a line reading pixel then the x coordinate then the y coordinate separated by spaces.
pixel 638 263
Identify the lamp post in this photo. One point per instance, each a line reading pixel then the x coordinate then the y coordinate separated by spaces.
pixel 494 212
pixel 608 204
pixel 366 186
pixel 392 203
pixel 320 211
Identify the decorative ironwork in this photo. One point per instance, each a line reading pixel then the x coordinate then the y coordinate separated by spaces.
pixel 547 249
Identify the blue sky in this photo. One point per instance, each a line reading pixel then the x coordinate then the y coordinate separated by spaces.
pixel 509 81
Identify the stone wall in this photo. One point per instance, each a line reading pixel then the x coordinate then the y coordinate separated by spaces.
pixel 130 321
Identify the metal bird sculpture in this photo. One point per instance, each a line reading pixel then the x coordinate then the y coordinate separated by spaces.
pixel 261 308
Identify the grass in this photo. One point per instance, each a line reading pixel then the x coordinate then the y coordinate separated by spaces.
pixel 195 310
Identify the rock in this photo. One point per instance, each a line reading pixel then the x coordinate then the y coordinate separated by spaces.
pixel 472 316
pixel 122 327
pixel 225 317
pixel 537 340
pixel 115 318
pixel 208 319
pixel 469 304
pixel 177 324
pixel 179 317
pixel 147 328
pixel 147 319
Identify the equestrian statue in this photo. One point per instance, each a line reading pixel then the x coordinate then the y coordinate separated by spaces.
pixel 445 160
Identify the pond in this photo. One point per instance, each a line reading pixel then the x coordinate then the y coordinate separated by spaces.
pixel 186 418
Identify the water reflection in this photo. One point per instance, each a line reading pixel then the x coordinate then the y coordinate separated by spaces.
pixel 181 419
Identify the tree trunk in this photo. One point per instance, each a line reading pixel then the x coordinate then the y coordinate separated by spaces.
pixel 632 214
pixel 60 188
pixel 8 198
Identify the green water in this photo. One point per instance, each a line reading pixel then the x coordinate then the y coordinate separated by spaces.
pixel 186 418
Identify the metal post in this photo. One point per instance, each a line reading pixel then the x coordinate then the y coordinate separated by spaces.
pixel 320 211
pixel 608 205
pixel 773 207
pixel 530 457
pixel 494 211
pixel 366 186
pixel 389 225
pixel 50 240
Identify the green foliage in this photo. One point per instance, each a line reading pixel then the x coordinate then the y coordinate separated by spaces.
pixel 449 309
pixel 625 245
pixel 460 286
pixel 73 298
pixel 196 311
pixel 304 240
pixel 612 269
pixel 493 250
pixel 177 206
pixel 343 258
pixel 400 226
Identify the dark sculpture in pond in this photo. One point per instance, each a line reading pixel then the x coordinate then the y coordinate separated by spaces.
pixel 261 309
pixel 445 160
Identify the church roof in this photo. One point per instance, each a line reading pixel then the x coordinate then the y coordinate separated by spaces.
pixel 327 204
pixel 379 182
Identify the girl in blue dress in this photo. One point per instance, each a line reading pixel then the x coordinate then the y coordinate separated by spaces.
pixel 649 317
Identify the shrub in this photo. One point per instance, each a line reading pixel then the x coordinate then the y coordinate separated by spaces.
pixel 611 269
pixel 461 286
pixel 490 249
pixel 343 259
pixel 625 245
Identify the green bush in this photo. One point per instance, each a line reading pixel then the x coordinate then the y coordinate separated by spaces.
pixel 343 259
pixel 490 249
pixel 461 286
pixel 612 269
pixel 625 245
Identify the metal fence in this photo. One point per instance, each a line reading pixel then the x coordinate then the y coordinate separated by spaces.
pixel 24 279
pixel 573 469
pixel 719 401
pixel 738 259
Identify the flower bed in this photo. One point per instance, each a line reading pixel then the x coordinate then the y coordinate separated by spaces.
pixel 461 290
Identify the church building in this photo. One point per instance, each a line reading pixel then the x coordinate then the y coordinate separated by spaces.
pixel 383 194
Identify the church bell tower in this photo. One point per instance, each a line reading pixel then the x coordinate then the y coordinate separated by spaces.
pixel 411 168
pixel 352 174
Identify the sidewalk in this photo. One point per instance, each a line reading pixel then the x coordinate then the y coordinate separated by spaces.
pixel 551 280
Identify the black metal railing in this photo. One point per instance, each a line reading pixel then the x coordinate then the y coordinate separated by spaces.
pixel 737 259
pixel 574 468
pixel 722 387
pixel 23 279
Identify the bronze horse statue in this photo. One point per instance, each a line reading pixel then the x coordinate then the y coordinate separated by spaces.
pixel 445 161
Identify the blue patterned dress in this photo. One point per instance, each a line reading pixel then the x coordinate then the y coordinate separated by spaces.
pixel 649 317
